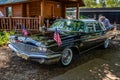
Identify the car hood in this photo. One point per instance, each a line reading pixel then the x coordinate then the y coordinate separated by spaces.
pixel 46 39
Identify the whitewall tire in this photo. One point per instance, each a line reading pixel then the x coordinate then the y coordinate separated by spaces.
pixel 67 56
pixel 106 43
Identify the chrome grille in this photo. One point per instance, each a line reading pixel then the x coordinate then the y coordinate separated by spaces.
pixel 26 47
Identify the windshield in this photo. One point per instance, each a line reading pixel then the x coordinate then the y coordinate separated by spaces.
pixel 68 25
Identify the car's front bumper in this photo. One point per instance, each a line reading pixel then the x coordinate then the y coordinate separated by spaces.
pixel 43 59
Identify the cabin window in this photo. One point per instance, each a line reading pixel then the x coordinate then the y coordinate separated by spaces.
pixel 8 11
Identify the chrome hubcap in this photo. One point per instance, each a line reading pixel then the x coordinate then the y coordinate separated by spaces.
pixel 66 57
pixel 106 43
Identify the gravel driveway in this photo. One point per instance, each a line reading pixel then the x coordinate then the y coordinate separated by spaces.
pixel 88 64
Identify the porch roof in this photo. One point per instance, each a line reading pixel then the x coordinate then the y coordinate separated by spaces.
pixel 81 3
pixel 3 2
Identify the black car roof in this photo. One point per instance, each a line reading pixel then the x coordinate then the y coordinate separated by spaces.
pixel 83 20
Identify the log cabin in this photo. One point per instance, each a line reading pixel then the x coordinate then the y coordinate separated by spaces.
pixel 34 8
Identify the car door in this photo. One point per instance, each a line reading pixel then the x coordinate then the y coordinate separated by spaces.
pixel 100 33
pixel 90 37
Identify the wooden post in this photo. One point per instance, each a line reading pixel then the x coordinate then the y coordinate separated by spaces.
pixel 10 20
pixel 42 7
pixel 40 20
pixel 77 12
pixel 64 11
pixel 42 3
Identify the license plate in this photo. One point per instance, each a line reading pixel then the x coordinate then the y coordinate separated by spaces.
pixel 22 56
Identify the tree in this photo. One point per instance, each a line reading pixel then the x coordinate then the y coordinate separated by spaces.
pixel 102 3
pixel 90 3
pixel 113 3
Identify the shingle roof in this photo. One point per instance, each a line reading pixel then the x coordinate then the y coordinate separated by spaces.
pixel 11 1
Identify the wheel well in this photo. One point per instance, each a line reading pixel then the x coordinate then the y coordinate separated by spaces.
pixel 75 50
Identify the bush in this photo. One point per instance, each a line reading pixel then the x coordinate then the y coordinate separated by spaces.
pixel 4 37
pixel 83 17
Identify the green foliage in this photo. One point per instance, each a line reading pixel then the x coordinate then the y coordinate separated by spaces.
pixel 12 32
pixel 113 3
pixel 90 3
pixel 102 3
pixel 67 13
pixel 4 37
pixel 83 17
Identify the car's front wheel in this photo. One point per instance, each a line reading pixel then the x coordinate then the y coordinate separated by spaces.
pixel 106 43
pixel 67 56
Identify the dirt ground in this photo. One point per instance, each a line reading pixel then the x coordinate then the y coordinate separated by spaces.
pixel 15 68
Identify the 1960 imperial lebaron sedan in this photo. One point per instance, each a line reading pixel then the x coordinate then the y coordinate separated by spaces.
pixel 59 42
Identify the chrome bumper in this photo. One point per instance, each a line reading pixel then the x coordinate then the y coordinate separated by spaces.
pixel 46 59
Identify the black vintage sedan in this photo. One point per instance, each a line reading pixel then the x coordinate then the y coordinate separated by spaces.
pixel 61 40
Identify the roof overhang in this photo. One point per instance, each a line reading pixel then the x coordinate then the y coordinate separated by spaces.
pixel 15 2
pixel 69 3
pixel 100 9
pixel 72 3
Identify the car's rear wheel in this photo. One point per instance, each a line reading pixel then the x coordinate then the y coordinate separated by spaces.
pixel 67 57
pixel 106 43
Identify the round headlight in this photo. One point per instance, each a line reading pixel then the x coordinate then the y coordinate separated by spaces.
pixel 40 48
pixel 44 49
pixel 38 43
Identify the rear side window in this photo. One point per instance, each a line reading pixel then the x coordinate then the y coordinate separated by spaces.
pixel 90 27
